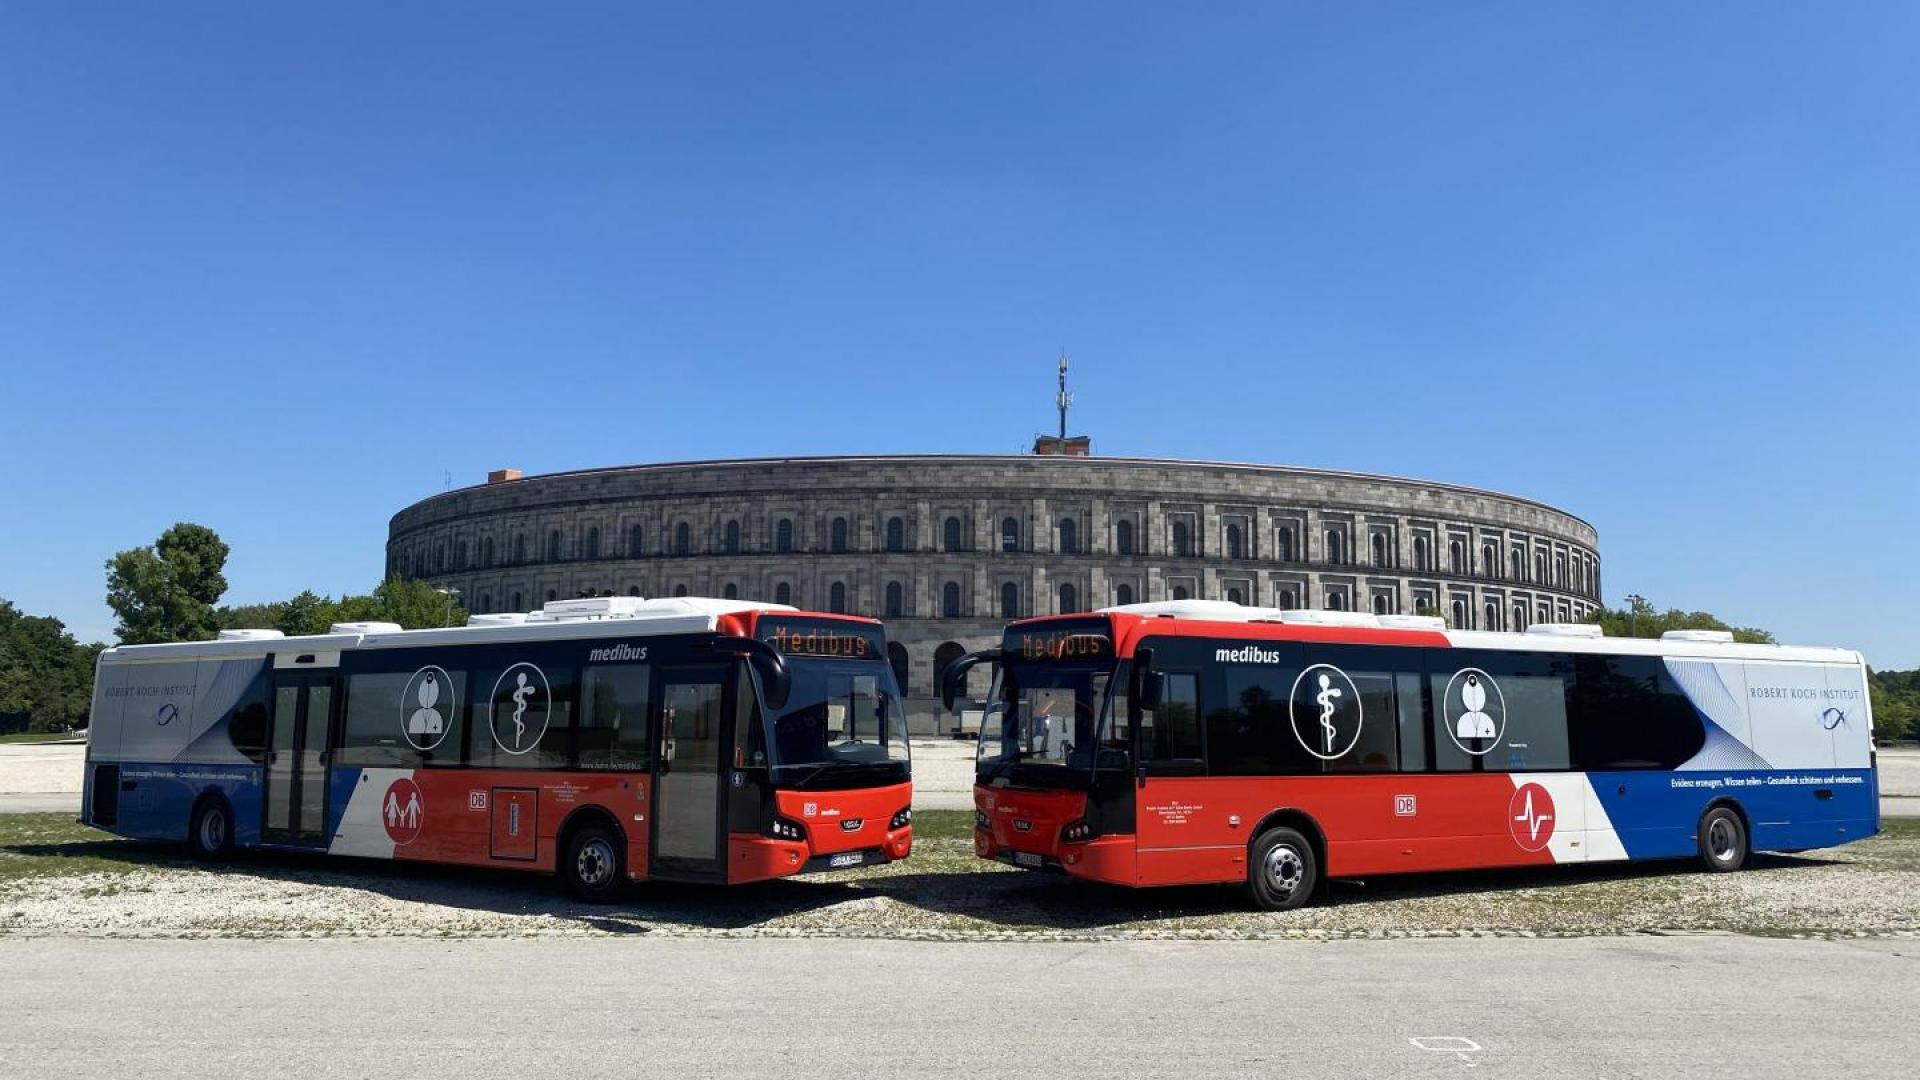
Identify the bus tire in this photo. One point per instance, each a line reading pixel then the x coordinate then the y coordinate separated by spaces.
pixel 594 863
pixel 210 829
pixel 1723 840
pixel 1282 871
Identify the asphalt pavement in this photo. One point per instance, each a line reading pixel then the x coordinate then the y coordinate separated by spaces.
pixel 1695 1006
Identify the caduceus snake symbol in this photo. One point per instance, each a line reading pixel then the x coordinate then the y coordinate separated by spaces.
pixel 1325 699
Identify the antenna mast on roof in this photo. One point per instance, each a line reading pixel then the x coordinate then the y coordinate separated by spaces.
pixel 1064 399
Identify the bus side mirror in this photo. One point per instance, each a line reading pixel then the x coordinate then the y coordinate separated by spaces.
pixel 776 682
pixel 953 681
pixel 1148 684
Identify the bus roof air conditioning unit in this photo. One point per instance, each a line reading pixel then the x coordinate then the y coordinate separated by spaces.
pixel 593 607
pixel 503 618
pixel 1413 622
pixel 1566 629
pixel 1717 637
pixel 365 628
pixel 1321 617
pixel 250 635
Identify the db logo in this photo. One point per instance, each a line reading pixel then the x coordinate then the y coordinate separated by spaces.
pixel 1405 806
pixel 811 809
pixel 1530 817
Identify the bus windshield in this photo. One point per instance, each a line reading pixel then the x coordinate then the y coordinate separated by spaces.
pixel 1044 715
pixel 843 721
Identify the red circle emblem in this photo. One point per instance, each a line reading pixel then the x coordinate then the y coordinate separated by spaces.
pixel 1530 817
pixel 402 809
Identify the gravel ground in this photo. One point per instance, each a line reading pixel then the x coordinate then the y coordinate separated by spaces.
pixel 42 769
pixel 53 883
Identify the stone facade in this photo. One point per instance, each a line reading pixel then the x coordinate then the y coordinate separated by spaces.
pixel 946 548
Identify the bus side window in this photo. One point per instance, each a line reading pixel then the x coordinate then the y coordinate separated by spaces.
pixel 1413 721
pixel 613 717
pixel 385 727
pixel 1173 730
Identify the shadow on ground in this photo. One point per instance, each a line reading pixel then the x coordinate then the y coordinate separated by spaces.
pixel 987 898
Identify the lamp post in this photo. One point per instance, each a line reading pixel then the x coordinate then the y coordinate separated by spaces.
pixel 1634 602
pixel 449 592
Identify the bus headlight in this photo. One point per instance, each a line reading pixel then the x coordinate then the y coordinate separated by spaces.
pixel 783 829
pixel 1077 832
pixel 980 821
pixel 902 819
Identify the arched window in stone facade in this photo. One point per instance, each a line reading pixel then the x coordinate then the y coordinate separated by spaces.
pixel 1335 601
pixel 783 593
pixel 1235 596
pixel 896 534
pixel 1459 615
pixel 1334 553
pixel 1180 592
pixel 730 592
pixel 1010 534
pixel 783 535
pixel 1420 554
pixel 1069 599
pixel 950 600
pixel 1287 600
pixel 1380 604
pixel 682 539
pixel 730 538
pixel 1489 561
pixel 1379 549
pixel 950 538
pixel 1009 600
pixel 1182 539
pixel 1493 616
pixel 1123 537
pixel 636 541
pixel 837 534
pixel 519 550
pixel 593 543
pixel 1456 557
pixel 679 590
pixel 896 599
pixel 1236 543
pixel 553 545
pixel 837 598
pixel 1069 536
pixel 1123 594
pixel 1285 547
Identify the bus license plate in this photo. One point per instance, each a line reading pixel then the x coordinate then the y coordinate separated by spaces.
pixel 1026 858
pixel 850 858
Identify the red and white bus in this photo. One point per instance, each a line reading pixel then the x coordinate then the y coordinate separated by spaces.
pixel 1199 741
pixel 604 740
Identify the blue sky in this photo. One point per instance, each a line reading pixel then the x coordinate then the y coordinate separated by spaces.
pixel 283 271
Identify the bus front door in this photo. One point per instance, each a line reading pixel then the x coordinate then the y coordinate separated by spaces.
pixel 295 795
pixel 688 838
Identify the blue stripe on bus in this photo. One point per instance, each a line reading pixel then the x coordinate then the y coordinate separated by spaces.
pixel 1655 813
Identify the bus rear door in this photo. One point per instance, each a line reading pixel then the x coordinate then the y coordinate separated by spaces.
pixel 295 795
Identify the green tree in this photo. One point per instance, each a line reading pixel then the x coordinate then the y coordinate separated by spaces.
pixel 1896 703
pixel 166 592
pixel 416 604
pixel 46 677
pixel 249 616
pixel 1641 619
pixel 307 613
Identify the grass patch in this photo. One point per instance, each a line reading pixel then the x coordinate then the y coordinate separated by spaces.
pixel 943 825
pixel 50 845
pixel 28 738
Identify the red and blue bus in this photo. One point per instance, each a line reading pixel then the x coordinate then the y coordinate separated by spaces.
pixel 603 740
pixel 1205 742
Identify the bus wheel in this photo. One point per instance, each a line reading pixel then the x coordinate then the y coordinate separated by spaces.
pixel 1723 840
pixel 1281 874
pixel 210 830
pixel 593 864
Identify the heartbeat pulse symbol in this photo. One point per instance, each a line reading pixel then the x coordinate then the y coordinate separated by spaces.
pixel 1532 820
